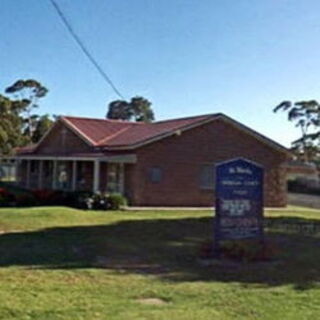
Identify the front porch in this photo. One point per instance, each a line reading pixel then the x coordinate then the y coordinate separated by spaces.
pixel 104 174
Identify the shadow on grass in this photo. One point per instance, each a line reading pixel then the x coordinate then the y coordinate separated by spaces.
pixel 167 248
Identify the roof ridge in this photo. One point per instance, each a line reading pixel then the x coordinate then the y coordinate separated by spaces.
pixel 105 139
pixel 187 118
pixel 101 119
pixel 184 126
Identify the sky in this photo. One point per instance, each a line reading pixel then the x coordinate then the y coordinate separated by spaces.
pixel 188 57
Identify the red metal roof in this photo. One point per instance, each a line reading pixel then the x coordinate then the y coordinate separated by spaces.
pixel 112 135
pixel 98 130
pixel 117 133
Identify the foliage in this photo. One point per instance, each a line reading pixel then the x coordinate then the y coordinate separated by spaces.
pixel 116 201
pixel 41 124
pixel 138 109
pixel 12 196
pixel 25 200
pixel 27 92
pixel 247 250
pixel 119 110
pixel 6 198
pixel 306 116
pixel 11 125
pixel 19 126
pixel 102 201
pixel 300 186
pixel 142 111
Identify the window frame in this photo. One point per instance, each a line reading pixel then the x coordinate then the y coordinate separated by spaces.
pixel 210 183
pixel 155 174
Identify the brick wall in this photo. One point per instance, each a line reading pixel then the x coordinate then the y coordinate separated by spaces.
pixel 181 156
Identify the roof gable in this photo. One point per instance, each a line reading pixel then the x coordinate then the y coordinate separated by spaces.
pixel 60 138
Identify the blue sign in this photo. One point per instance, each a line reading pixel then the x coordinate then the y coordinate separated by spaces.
pixel 239 200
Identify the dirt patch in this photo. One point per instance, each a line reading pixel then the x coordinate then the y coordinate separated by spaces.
pixel 130 264
pixel 152 301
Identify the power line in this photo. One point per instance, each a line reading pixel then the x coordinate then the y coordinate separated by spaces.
pixel 84 49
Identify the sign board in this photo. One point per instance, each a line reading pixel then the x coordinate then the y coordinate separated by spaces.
pixel 239 200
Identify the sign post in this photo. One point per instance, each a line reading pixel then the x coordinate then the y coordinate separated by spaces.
pixel 239 201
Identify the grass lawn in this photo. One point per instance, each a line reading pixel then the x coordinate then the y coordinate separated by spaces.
pixel 61 263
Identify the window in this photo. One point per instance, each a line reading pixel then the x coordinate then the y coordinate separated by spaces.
pixel 207 176
pixel 47 168
pixel 155 175
pixel 33 167
pixel 114 178
pixel 62 176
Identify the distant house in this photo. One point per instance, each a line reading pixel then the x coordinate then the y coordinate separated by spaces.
pixel 165 163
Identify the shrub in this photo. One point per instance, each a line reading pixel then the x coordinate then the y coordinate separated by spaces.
pixel 97 201
pixel 6 198
pixel 116 201
pixel 3 201
pixel 25 200
pixel 77 199
pixel 241 250
pixel 297 186
pixel 100 201
pixel 43 196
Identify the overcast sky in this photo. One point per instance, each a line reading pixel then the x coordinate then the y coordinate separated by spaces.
pixel 188 57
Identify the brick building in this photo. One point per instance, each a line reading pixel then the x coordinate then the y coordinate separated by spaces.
pixel 165 163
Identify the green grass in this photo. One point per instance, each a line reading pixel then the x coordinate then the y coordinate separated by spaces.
pixel 60 263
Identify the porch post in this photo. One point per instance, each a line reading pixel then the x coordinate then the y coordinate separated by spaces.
pixel 74 175
pixel 40 172
pixel 121 182
pixel 54 175
pixel 1 167
pixel 18 171
pixel 96 176
pixel 28 173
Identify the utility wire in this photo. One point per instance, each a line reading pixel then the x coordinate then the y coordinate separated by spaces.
pixel 84 49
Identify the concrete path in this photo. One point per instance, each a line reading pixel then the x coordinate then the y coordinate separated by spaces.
pixel 304 200
pixel 289 208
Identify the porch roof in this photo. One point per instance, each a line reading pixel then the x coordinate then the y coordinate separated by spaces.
pixel 122 158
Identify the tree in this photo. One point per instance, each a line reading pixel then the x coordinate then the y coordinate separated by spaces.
pixel 27 93
pixel 141 109
pixel 18 125
pixel 119 109
pixel 306 116
pixel 41 126
pixel 10 126
pixel 138 109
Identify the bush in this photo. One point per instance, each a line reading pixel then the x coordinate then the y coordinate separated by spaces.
pixel 6 198
pixel 95 201
pixel 43 196
pixel 297 186
pixel 77 199
pixel 246 250
pixel 101 201
pixel 25 200
pixel 116 201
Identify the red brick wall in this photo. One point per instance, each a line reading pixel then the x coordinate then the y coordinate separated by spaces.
pixel 181 157
pixel 58 143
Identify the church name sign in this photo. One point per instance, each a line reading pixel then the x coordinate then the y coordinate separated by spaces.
pixel 239 200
